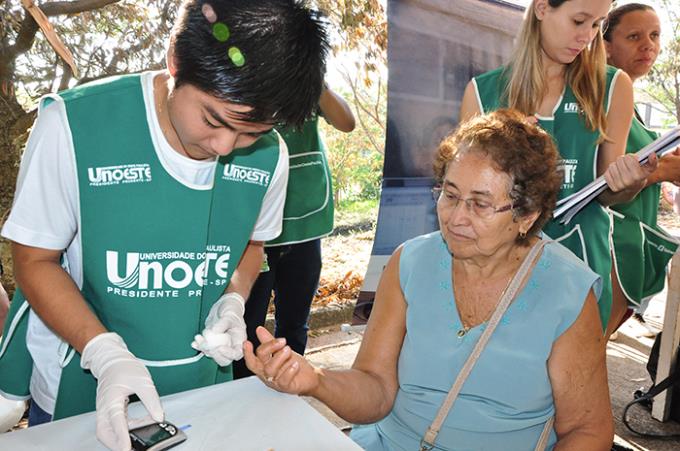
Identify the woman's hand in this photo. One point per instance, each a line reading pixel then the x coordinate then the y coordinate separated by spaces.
pixel 4 307
pixel 626 173
pixel 669 168
pixel 531 120
pixel 278 366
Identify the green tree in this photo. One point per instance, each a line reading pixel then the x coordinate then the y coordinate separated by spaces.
pixel 360 44
pixel 663 82
pixel 356 158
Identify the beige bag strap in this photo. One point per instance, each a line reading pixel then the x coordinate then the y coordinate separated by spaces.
pixel 427 443
pixel 545 435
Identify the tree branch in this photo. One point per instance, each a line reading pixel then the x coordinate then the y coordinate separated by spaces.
pixel 143 44
pixel 660 100
pixel 74 7
pixel 29 27
pixel 358 103
pixel 65 77
pixel 24 40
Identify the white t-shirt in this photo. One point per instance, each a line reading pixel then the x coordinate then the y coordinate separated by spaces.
pixel 45 214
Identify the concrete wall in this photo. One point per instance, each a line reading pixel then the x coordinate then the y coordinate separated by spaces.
pixel 435 48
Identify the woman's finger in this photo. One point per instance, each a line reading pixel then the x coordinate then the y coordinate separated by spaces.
pixel 287 374
pixel 265 351
pixel 613 177
pixel 652 163
pixel 252 361
pixel 272 366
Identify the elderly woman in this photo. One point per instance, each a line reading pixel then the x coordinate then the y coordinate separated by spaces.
pixel 498 185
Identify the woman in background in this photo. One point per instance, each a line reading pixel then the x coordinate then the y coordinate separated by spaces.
pixel 641 248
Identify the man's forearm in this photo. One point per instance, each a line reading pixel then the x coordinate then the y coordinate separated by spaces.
pixel 54 296
pixel 248 269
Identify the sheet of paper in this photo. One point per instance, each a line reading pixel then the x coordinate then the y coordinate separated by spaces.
pixel 568 207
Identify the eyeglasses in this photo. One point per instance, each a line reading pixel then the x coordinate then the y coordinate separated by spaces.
pixel 478 207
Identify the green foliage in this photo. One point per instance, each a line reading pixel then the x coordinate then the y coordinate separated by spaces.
pixel 361 29
pixel 360 207
pixel 664 79
pixel 355 161
pixel 122 37
pixel 353 215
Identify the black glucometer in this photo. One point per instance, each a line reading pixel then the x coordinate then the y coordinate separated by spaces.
pixel 156 437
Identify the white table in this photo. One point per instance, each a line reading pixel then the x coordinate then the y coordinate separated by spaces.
pixel 240 415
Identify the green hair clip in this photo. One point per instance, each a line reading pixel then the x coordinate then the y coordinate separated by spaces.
pixel 236 57
pixel 221 32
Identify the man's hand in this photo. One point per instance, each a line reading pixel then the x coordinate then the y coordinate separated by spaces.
pixel 225 330
pixel 119 374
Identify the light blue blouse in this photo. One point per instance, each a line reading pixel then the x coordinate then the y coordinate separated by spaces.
pixel 507 398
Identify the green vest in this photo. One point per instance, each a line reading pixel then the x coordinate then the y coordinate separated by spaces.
pixel 642 249
pixel 156 254
pixel 587 235
pixel 308 213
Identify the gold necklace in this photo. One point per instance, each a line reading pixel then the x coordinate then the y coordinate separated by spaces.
pixel 465 329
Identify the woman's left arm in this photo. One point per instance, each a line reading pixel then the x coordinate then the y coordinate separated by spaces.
pixel 624 175
pixel 578 374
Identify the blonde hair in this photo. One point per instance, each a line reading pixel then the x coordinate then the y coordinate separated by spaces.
pixel 586 75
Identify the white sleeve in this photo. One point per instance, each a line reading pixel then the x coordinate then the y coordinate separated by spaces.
pixel 270 222
pixel 44 211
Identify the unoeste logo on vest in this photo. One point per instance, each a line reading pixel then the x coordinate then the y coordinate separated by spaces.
pixel 568 168
pixel 116 175
pixel 165 274
pixel 243 174
pixel 572 107
pixel 660 247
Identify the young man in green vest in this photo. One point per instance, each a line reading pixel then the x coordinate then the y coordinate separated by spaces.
pixel 140 212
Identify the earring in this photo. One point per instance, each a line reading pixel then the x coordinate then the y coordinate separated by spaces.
pixel 522 235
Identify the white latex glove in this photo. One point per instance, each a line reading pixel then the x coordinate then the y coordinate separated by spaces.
pixel 119 374
pixel 225 330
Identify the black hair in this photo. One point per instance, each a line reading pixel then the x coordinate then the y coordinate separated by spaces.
pixel 615 15
pixel 280 62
